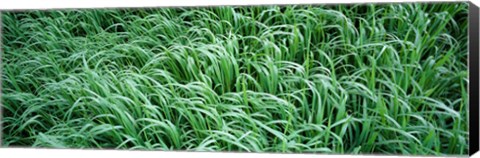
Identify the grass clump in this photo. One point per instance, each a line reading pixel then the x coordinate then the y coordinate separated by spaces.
pixel 380 78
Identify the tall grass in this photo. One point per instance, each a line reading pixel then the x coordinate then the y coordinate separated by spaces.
pixel 384 78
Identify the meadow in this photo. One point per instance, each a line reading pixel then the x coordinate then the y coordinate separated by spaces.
pixel 332 79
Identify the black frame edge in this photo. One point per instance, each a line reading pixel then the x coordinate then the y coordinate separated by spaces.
pixel 473 68
pixel 1 70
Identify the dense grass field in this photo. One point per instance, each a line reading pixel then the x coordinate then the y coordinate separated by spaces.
pixel 384 78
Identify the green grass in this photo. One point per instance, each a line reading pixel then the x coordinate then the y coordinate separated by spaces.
pixel 384 78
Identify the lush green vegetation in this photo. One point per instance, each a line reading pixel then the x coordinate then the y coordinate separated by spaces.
pixel 350 79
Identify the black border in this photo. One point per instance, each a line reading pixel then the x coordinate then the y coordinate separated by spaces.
pixel 1 83
pixel 473 64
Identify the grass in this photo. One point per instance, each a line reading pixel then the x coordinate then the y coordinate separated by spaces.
pixel 348 79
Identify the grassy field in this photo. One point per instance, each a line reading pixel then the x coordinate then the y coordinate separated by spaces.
pixel 384 78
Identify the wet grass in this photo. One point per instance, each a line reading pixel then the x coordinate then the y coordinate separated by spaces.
pixel 388 79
